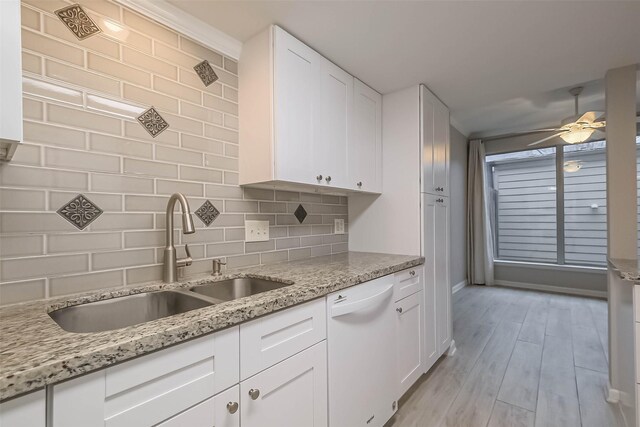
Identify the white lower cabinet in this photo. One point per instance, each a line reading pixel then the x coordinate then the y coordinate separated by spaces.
pixel 24 411
pixel 410 340
pixel 292 393
pixel 222 410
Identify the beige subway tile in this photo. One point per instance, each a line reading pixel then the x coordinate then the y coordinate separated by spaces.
pixel 200 51
pixel 161 219
pixel 334 238
pixel 231 150
pixel 32 109
pixel 22 245
pixel 299 230
pixel 276 232
pixel 243 261
pixel 200 113
pixel 183 124
pixel 230 65
pixel 149 27
pixel 321 250
pixel 200 174
pixel 102 104
pixel 217 132
pixel 31 63
pixel 224 191
pixel 122 258
pixel 68 285
pixel 202 144
pixel 322 229
pixel 150 168
pixel 121 184
pixel 311 197
pixel 287 219
pixel 190 78
pixel 232 95
pixel 272 257
pixel 85 119
pixel 118 70
pixel 18 176
pixel 138 275
pixel 252 247
pixel 329 199
pixel 28 290
pixel 97 43
pixel 287 196
pixel 231 121
pixel 83 242
pixel 231 178
pixel 80 160
pixel 291 242
pixel 240 206
pixel 123 221
pixel 106 202
pixel 47 5
pixel 177 90
pixel 26 268
pixel 105 8
pixel 339 248
pixel 229 220
pixel 258 194
pixel 49 134
pixel 226 78
pixel 220 104
pixel 144 239
pixel 135 130
pixel 129 38
pixel 28 154
pixel 30 18
pixel 175 56
pixel 261 217
pixel 22 200
pixel 204 235
pixel 50 90
pixel 219 162
pixel 149 63
pixel 187 188
pixel 179 155
pixel 310 240
pixel 296 254
pixel 133 203
pixel 224 249
pixel 50 47
pixel 232 234
pixel 29 222
pixel 82 78
pixel 127 147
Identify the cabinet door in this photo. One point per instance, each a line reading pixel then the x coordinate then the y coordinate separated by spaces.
pixel 330 149
pixel 222 410
pixel 292 393
pixel 10 78
pixel 296 111
pixel 25 411
pixel 365 145
pixel 434 130
pixel 410 340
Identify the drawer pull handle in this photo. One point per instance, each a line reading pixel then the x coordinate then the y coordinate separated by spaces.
pixel 254 393
pixel 412 273
pixel 232 407
pixel 399 309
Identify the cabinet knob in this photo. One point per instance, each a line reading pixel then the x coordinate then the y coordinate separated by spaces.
pixel 439 200
pixel 412 273
pixel 319 177
pixel 232 407
pixel 399 309
pixel 254 393
pixel 328 179
pixel 359 184
pixel 393 405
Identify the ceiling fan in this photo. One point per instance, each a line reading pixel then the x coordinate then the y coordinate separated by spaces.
pixel 577 128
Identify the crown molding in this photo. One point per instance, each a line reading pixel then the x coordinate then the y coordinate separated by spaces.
pixel 184 23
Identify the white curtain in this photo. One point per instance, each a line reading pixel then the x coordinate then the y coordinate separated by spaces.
pixel 479 230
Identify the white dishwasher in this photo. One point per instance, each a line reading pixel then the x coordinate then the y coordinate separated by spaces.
pixel 361 354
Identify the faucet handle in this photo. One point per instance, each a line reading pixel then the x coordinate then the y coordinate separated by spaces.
pixel 186 249
pixel 185 262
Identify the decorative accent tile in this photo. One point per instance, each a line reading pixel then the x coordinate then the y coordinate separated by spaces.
pixel 206 73
pixel 77 21
pixel 207 213
pixel 80 211
pixel 153 122
pixel 300 213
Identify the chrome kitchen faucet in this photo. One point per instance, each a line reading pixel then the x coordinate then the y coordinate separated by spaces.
pixel 171 263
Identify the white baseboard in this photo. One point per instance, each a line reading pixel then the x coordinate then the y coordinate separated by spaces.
pixel 548 288
pixel 613 395
pixel 458 286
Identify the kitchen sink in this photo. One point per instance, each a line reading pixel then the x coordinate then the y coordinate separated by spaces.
pixel 227 290
pixel 125 311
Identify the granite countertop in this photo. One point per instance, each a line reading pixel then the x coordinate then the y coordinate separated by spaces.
pixel 35 351
pixel 627 269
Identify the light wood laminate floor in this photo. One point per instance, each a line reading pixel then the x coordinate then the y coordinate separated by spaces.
pixel 524 358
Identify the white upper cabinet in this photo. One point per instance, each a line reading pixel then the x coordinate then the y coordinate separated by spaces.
pixel 364 153
pixel 298 114
pixel 10 78
pixel 435 144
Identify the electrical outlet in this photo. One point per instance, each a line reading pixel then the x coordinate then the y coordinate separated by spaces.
pixel 256 231
pixel 338 226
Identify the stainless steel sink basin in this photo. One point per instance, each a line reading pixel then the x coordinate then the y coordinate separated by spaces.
pixel 125 311
pixel 227 290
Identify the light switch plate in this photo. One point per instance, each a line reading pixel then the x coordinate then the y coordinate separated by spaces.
pixel 256 231
pixel 338 226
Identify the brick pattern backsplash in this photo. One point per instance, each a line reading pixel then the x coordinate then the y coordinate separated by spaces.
pixel 82 137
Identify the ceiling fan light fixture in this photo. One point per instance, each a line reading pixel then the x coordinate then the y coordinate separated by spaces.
pixel 577 136
pixel 572 166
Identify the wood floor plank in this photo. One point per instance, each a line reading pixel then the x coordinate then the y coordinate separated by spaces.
pixel 505 415
pixel 587 349
pixel 554 410
pixel 557 372
pixel 520 384
pixel 595 411
pixel 559 322
pixel 475 400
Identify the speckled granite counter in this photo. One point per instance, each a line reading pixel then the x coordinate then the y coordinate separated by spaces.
pixel 35 351
pixel 627 269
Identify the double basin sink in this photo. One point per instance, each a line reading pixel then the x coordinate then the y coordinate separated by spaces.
pixel 120 312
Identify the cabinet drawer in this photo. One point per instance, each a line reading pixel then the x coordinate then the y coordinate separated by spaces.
pixel 211 412
pixel 636 303
pixel 24 411
pixel 271 339
pixel 408 282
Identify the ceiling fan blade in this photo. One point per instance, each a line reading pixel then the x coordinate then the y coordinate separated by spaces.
pixel 546 139
pixel 588 117
pixel 596 125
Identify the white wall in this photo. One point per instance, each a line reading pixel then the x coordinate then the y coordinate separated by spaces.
pixel 458 204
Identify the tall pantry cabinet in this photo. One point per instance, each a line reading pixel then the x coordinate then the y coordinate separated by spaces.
pixel 411 216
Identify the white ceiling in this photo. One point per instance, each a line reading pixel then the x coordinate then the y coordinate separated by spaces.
pixel 497 64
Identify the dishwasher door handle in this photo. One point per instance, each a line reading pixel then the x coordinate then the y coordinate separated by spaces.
pixel 342 309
